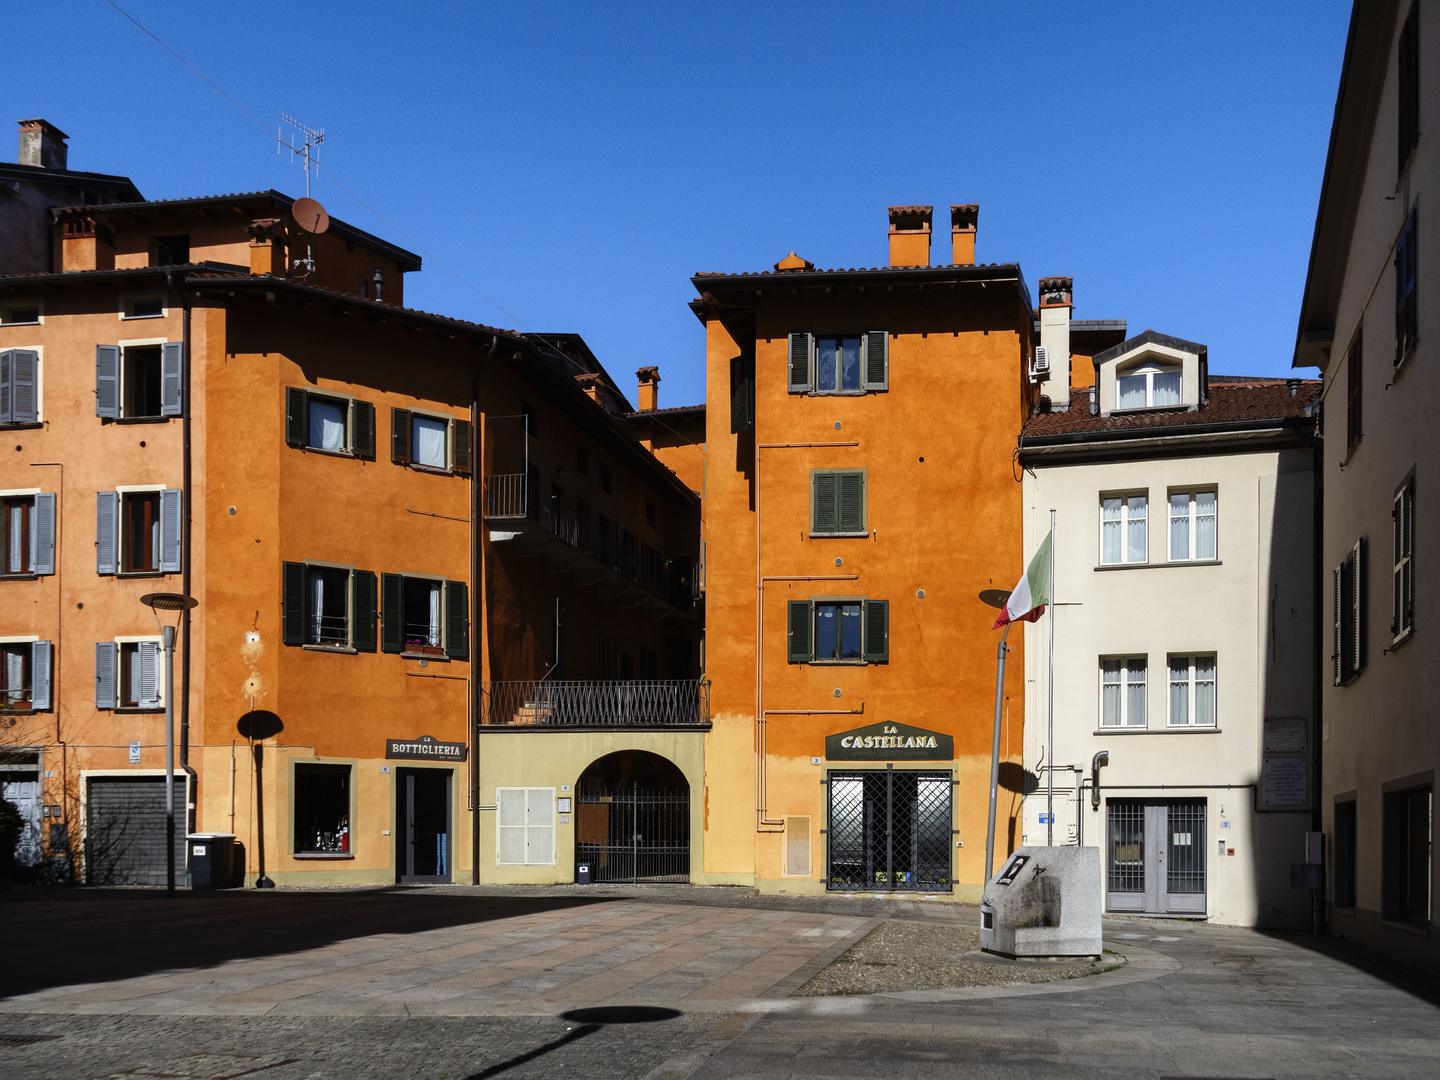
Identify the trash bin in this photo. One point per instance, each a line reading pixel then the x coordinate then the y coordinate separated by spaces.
pixel 208 857
pixel 582 873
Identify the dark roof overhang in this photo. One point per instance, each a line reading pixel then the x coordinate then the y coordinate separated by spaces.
pixel 121 185
pixel 1182 440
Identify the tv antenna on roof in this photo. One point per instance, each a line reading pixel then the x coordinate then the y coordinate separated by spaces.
pixel 309 215
pixel 309 148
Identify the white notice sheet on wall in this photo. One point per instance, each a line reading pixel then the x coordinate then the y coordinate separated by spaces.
pixel 1285 782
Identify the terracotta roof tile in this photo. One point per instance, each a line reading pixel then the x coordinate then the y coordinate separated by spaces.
pixel 1229 403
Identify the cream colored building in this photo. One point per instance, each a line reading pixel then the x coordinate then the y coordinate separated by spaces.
pixel 1184 633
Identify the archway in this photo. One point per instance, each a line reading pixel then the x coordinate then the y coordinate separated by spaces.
pixel 632 819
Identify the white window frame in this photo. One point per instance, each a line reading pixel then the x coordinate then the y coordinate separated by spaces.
pixel 348 646
pixel 1126 684
pixel 435 579
pixel 544 795
pixel 136 639
pixel 120 383
pixel 121 535
pixel 6 496
pixel 127 298
pixel 1402 510
pixel 449 420
pixel 1192 517
pixel 1191 683
pixel 29 639
pixel 345 400
pixel 7 306
pixel 1150 367
pixel 1126 519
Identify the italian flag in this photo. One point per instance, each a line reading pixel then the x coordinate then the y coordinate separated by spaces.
pixel 1027 601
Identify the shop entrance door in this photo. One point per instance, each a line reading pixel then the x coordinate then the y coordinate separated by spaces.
pixel 1155 857
pixel 422 825
pixel 890 829
pixel 23 790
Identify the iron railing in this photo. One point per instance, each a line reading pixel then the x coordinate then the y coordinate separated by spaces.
pixel 639 836
pixel 594 703
pixel 505 495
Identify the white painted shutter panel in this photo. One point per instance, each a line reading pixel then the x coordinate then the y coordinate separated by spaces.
pixel 802 348
pixel 171 501
pixel 540 826
pixel 510 830
pixel 876 364
pixel 23 402
pixel 106 664
pixel 42 534
pixel 171 372
pixel 1339 574
pixel 1356 597
pixel 107 532
pixel 40 674
pixel 148 655
pixel 107 381
pixel 6 367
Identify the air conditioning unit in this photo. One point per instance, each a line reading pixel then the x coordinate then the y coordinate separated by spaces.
pixel 1040 366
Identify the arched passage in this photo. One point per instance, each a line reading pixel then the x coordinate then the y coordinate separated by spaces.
pixel 632 818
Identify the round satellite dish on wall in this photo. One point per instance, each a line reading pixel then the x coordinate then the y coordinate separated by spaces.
pixel 310 216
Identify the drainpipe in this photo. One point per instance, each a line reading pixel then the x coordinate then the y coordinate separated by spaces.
pixel 477 602
pixel 192 793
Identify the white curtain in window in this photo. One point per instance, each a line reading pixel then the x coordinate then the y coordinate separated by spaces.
pixel 1132 391
pixel 14 674
pixel 429 448
pixel 1166 388
pixel 1179 690
pixel 1135 693
pixel 1110 531
pixel 1135 529
pixel 15 563
pixel 1205 690
pixel 327 424
pixel 433 635
pixel 1110 693
pixel 1205 525
pixel 1179 526
pixel 317 607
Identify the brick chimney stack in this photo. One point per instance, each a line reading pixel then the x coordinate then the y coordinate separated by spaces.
pixel 963 220
pixel 910 235
pixel 649 388
pixel 42 144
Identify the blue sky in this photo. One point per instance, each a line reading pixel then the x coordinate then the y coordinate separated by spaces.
pixel 577 163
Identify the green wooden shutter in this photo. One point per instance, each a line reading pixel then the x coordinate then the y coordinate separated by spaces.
pixel 461 454
pixel 742 394
pixel 292 603
pixel 852 502
pixel 877 360
pixel 392 626
pixel 457 620
pixel 295 420
pixel 877 631
pixel 798 619
pixel 400 436
pixel 802 348
pixel 824 502
pixel 362 620
pixel 364 434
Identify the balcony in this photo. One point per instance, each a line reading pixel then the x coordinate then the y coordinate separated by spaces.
pixel 647 703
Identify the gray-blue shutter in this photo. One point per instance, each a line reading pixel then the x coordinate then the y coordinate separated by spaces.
pixel 171 507
pixel 852 502
pixel 42 535
pixel 824 502
pixel 6 364
pixel 172 370
pixel 40 675
pixel 24 405
pixel 107 532
pixel 148 654
pixel 107 657
pixel 797 619
pixel 877 360
pixel 802 348
pixel 877 631
pixel 107 381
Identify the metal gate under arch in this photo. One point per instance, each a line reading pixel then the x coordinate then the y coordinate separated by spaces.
pixel 635 836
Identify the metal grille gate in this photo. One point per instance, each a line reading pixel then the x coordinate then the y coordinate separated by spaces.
pixel 890 830
pixel 642 836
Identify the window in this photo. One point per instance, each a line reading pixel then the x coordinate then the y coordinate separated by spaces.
pixel 19 312
pixel 322 809
pixel 27 534
pixel 333 424
pixel 852 630
pixel 1122 692
pixel 1192 525
pixel 24 676
pixel 1122 529
pixel 1349 637
pixel 1192 691
pixel 525 826
pixel 582 524
pixel 839 364
pixel 606 482
pixel 425 616
pixel 19 386
pixel 1344 854
pixel 1402 513
pixel 146 306
pixel 327 606
pixel 650 514
pixel 1150 386
pixel 837 503
pixel 742 393
pixel 138 381
pixel 1407 314
pixel 138 532
pixel 582 461
pixel 1354 415
pixel 429 441
pixel 172 250
pixel 127 674
pixel 1405 886
pixel 1408 63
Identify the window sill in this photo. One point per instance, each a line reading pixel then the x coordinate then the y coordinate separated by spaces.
pixel 323 855
pixel 1191 730
pixel 1157 565
pixel 1401 640
pixel 837 663
pixel 436 470
pixel 346 649
pixel 141 318
pixel 143 419
pixel 1417 928
pixel 440 656
pixel 835 393
pixel 17 710
pixel 329 453
pixel 138 709
pixel 1179 406
pixel 1341 910
pixel 839 535
pixel 22 425
pixel 19 577
pixel 144 573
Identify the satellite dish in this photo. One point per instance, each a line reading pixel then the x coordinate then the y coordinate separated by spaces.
pixel 310 216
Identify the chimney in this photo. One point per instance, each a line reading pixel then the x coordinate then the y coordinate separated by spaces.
pixel 42 144
pixel 910 235
pixel 963 220
pixel 1056 300
pixel 649 388
pixel 86 243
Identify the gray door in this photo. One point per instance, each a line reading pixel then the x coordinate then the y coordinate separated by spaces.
pixel 1155 857
pixel 23 789
pixel 125 834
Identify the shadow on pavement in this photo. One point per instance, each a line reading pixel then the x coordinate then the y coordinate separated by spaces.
pixel 66 937
pixel 1412 980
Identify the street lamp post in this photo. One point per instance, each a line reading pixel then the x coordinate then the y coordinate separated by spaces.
pixel 996 598
pixel 177 602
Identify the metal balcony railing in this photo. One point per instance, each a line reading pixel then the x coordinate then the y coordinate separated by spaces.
pixel 505 495
pixel 595 703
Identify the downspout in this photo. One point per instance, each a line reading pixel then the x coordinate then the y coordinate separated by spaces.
pixel 477 604
pixel 192 786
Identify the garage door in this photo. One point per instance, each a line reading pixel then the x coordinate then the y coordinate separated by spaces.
pixel 125 838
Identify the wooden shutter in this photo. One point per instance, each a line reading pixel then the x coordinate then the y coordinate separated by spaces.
pixel 742 394
pixel 107 532
pixel 107 381
pixel 852 502
pixel 362 438
pixel 1339 633
pixel 171 527
pixel 877 360
pixel 510 826
pixel 798 634
pixel 24 405
pixel 172 371
pixel 147 655
pixel 1406 312
pixel 460 452
pixel 6 366
pixel 296 421
pixel 1408 70
pixel 1357 591
pixel 107 663
pixel 1402 513
pixel 802 348
pixel 400 436
pixel 40 675
pixel 292 603
pixel 877 631
pixel 362 621
pixel 824 502
pixel 42 535
pixel 392 603
pixel 457 620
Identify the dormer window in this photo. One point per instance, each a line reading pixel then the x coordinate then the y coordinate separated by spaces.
pixel 1150 386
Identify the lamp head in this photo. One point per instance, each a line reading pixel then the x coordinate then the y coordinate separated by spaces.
pixel 996 598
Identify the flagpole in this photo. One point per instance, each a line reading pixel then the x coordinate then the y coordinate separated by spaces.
pixel 1050 709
